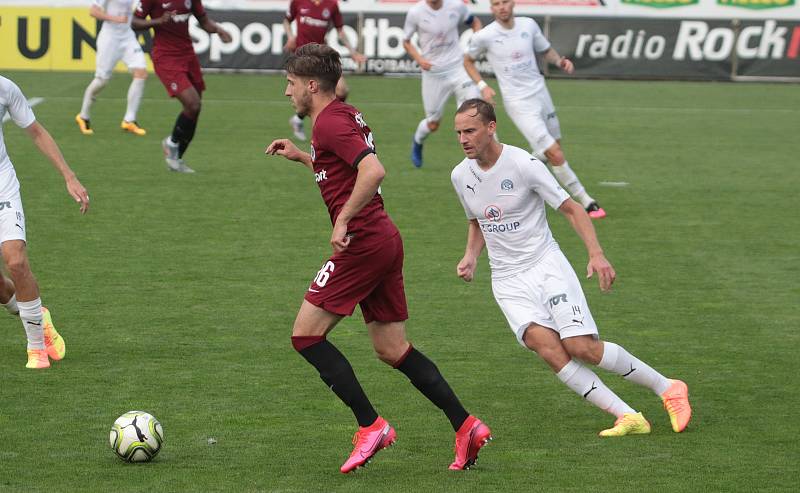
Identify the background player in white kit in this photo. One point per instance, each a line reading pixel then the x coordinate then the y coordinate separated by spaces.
pixel 503 191
pixel 20 294
pixel 116 41
pixel 509 43
pixel 441 61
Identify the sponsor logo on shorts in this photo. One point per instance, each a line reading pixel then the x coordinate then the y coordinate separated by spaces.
pixel 506 185
pixel 322 175
pixel 4 205
pixel 555 300
pixel 173 86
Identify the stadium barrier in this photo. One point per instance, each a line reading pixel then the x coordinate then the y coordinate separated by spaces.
pixel 47 38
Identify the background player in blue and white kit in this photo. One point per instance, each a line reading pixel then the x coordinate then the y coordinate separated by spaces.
pixel 503 191
pixel 116 41
pixel 20 294
pixel 441 61
pixel 511 44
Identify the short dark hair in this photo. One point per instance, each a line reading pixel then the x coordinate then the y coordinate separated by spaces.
pixel 485 110
pixel 316 61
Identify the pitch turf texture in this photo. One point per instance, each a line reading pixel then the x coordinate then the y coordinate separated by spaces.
pixel 176 295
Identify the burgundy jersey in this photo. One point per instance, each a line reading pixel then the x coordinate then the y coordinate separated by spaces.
pixel 339 141
pixel 313 19
pixel 171 38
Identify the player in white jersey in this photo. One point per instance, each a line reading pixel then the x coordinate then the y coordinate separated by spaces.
pixel 116 41
pixel 503 190
pixel 20 294
pixel 510 44
pixel 441 61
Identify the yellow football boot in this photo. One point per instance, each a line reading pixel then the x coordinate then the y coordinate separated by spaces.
pixel 56 348
pixel 628 424
pixel 676 402
pixel 37 358
pixel 132 127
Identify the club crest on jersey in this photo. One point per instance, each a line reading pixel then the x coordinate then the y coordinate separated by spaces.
pixel 187 4
pixel 525 35
pixel 493 213
pixel 506 185
pixel 326 13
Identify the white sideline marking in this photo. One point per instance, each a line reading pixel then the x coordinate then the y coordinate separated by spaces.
pixel 617 184
pixel 31 102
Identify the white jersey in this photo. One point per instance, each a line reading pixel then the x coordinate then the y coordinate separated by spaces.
pixel 438 32
pixel 511 53
pixel 116 8
pixel 13 103
pixel 508 202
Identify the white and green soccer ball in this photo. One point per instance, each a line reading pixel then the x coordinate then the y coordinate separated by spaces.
pixel 136 436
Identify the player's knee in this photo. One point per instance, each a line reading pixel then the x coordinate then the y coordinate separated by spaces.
pixel 100 82
pixel 192 108
pixel 584 349
pixel 140 73
pixel 433 125
pixel 17 265
pixel 388 355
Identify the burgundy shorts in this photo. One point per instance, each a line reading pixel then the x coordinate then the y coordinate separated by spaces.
pixel 179 73
pixel 372 279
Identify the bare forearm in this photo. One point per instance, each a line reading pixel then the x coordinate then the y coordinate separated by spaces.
pixel 41 137
pixel 100 14
pixel 475 240
pixel 553 57
pixel 472 70
pixel 412 52
pixel 140 24
pixel 365 188
pixel 208 25
pixel 582 225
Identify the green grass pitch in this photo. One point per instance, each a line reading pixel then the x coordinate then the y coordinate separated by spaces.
pixel 176 295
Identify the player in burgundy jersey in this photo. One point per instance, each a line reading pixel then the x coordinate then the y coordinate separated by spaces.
pixel 366 267
pixel 177 65
pixel 314 18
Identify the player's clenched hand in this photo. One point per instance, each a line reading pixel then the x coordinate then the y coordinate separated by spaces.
pixel 224 35
pixel 488 94
pixel 291 44
pixel 285 148
pixel 466 268
pixel 425 64
pixel 339 238
pixel 166 17
pixel 566 65
pixel 358 57
pixel 78 193
pixel 605 271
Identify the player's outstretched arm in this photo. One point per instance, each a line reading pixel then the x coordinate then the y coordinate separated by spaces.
pixel 98 13
pixel 139 24
pixel 416 55
pixel 475 243
pixel 369 178
pixel 287 149
pixel 561 62
pixel 354 53
pixel 487 93
pixel 583 226
pixel 41 137
pixel 212 27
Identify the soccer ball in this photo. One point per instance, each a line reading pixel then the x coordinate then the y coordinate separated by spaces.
pixel 136 436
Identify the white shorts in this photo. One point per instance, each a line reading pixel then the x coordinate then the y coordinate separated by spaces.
pixel 111 49
pixel 548 294
pixel 12 218
pixel 437 88
pixel 536 120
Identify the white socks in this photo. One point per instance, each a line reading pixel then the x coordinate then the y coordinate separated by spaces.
pixel 586 383
pixel 31 314
pixel 91 92
pixel 569 180
pixel 422 131
pixel 617 359
pixel 135 92
pixel 11 305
